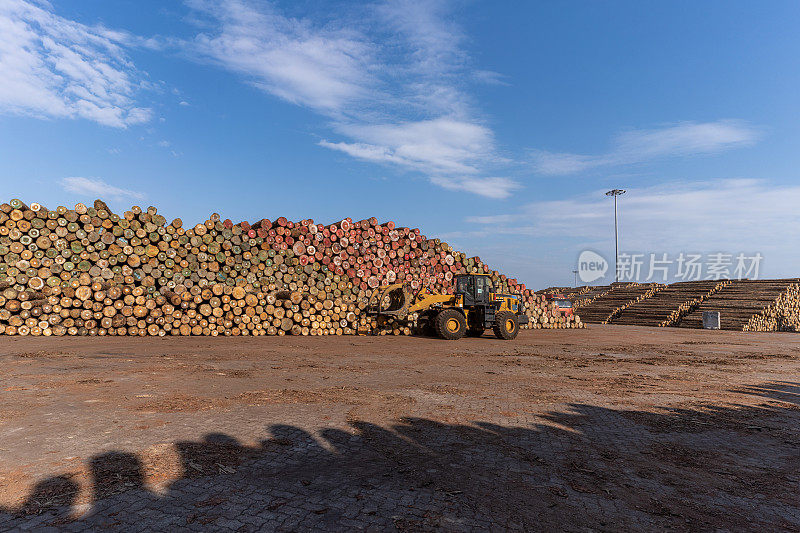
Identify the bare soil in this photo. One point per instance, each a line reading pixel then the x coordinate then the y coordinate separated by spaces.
pixel 607 428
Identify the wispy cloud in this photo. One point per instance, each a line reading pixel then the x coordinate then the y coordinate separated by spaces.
pixel 51 67
pixel 309 64
pixel 732 214
pixel 491 187
pixel 637 146
pixel 391 84
pixel 441 145
pixel 98 188
pixel 705 217
pixel 489 77
pixel 431 61
pixel 491 219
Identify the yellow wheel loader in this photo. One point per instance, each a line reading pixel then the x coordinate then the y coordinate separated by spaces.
pixel 473 309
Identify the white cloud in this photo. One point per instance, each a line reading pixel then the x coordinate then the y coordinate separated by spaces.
pixel 725 214
pixel 441 145
pixel 433 61
pixel 306 64
pixel 489 77
pixel 491 219
pixel 730 216
pixel 183 103
pixel 98 188
pixel 556 164
pixel 492 187
pixel 390 83
pixel 52 67
pixel 164 144
pixel 637 146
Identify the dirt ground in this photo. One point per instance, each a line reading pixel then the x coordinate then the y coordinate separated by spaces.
pixel 607 428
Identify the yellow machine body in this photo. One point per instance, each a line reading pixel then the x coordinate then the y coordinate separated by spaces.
pixel 478 307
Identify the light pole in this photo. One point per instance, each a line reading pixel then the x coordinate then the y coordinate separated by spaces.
pixel 575 273
pixel 615 193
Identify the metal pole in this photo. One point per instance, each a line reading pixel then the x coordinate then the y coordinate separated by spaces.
pixel 616 242
pixel 615 193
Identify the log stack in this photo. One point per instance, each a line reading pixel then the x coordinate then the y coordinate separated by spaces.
pixel 668 305
pixel 89 271
pixel 637 297
pixel 570 293
pixel 748 305
pixel 545 314
pixel 587 297
pixel 554 290
pixel 601 307
pixel 782 315
pixel 578 291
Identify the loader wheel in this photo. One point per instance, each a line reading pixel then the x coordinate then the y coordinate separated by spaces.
pixel 506 326
pixel 450 324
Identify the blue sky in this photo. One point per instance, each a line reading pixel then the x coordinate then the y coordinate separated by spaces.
pixel 496 126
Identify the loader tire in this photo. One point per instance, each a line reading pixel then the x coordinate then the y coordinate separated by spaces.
pixel 506 326
pixel 450 324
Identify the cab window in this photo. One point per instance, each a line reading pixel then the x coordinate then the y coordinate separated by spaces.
pixel 461 286
pixel 479 286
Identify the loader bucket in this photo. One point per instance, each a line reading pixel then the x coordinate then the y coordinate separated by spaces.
pixel 390 301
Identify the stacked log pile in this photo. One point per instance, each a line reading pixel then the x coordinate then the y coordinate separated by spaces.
pixel 578 291
pixel 666 306
pixel 570 293
pixel 88 271
pixel 587 297
pixel 603 306
pixel 545 314
pixel 690 306
pixel 638 297
pixel 782 315
pixel 554 290
pixel 740 303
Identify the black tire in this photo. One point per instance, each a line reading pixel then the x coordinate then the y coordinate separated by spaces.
pixel 506 326
pixel 475 332
pixel 450 324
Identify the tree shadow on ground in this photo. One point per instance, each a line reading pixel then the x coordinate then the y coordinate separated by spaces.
pixel 587 467
pixel 785 391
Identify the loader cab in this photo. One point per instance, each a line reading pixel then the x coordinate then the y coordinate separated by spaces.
pixel 474 288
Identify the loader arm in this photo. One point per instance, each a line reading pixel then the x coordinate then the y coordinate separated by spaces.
pixel 425 300
pixel 398 300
